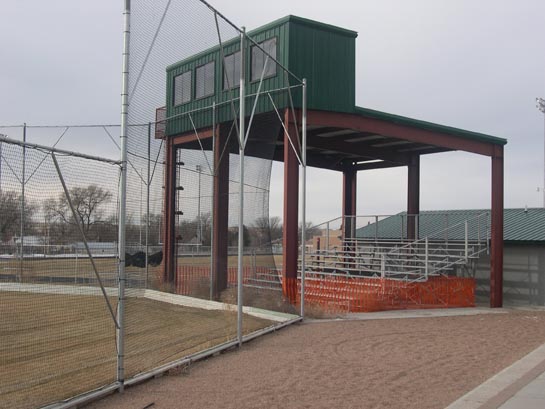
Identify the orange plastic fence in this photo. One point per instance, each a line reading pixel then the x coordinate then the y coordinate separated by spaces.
pixel 192 278
pixel 374 294
pixel 349 294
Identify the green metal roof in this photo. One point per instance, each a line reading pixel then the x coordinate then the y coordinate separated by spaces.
pixel 520 225
pixel 430 126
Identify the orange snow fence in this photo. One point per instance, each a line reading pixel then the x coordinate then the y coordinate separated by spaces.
pixel 346 294
pixel 191 279
pixel 362 294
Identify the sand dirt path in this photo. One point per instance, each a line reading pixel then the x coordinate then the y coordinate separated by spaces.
pixel 399 363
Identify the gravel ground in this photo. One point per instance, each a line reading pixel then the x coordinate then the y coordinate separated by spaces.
pixel 392 363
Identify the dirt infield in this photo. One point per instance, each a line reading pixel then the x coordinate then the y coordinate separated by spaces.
pixel 415 363
pixel 53 347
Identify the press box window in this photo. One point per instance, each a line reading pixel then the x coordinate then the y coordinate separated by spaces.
pixel 259 58
pixel 231 75
pixel 182 88
pixel 204 80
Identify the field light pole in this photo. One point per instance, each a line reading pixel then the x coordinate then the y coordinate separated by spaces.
pixel 540 104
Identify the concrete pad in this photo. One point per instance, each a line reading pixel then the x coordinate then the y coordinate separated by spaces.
pixel 398 314
pixel 518 386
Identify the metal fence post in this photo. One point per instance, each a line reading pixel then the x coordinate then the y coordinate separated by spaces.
pixel 22 217
pixel 303 194
pixel 241 183
pixel 213 169
pixel 123 198
pixel 148 182
pixel 466 246
pixel 426 259
pixel 327 238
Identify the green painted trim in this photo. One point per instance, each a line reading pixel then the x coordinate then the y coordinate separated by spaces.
pixel 429 126
pixel 307 22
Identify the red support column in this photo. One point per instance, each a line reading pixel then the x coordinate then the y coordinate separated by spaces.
pixel 169 228
pixel 496 233
pixel 349 202
pixel 290 238
pixel 413 196
pixel 220 209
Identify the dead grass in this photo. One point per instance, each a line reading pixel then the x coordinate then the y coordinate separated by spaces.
pixel 263 298
pixel 107 266
pixel 53 347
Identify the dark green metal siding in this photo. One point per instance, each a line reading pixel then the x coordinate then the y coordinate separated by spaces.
pixel 324 54
pixel 200 109
pixel 327 59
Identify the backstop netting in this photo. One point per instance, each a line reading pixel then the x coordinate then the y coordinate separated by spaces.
pixel 57 329
pixel 184 153
pixel 203 262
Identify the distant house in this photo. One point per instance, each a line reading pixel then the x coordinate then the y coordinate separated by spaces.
pixel 524 246
pixel 96 248
pixel 32 244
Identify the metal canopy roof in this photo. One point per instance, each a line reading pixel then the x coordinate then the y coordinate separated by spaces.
pixel 370 139
pixel 365 139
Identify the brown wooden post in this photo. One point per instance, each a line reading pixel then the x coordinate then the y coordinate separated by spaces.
pixel 169 228
pixel 349 202
pixel 290 238
pixel 413 196
pixel 220 209
pixel 496 233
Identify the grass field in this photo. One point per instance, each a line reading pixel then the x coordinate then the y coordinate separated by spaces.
pixel 107 267
pixel 53 347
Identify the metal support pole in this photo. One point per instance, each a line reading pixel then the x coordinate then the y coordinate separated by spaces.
pixel 22 217
pixel 213 168
pixel 304 194
pixel 383 265
pixel 466 246
pixel 327 237
pixel 148 183
pixel 198 168
pixel 446 228
pixel 479 230
pixel 140 215
pixel 87 249
pixel 123 197
pixel 426 266
pixel 487 234
pixel 241 183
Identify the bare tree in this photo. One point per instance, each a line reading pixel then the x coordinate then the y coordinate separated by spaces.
pixel 10 215
pixel 310 230
pixel 265 230
pixel 89 203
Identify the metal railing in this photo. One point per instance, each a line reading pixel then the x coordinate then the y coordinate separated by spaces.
pixel 439 253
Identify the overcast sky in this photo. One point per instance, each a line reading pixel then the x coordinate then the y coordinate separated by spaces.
pixel 476 65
